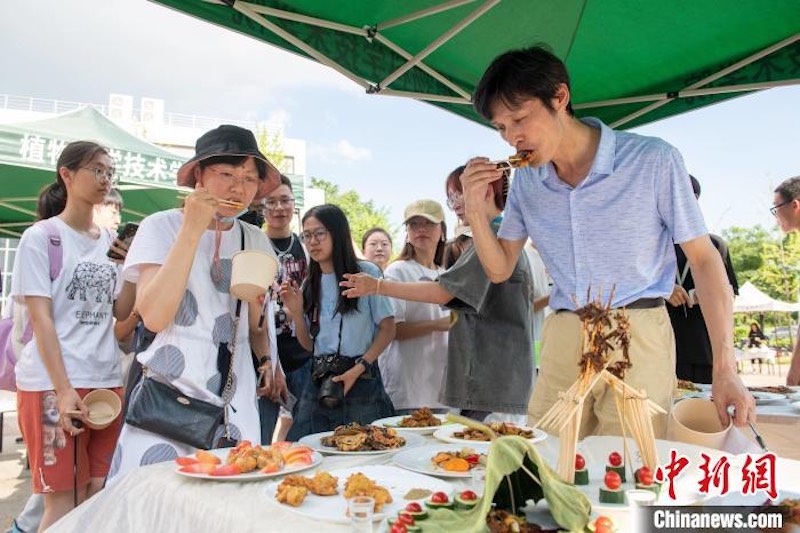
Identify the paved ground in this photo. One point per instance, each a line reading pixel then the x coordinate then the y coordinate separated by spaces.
pixel 15 480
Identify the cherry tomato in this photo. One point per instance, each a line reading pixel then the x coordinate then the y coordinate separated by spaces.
pixel 645 476
pixel 414 507
pixel 612 480
pixel 398 528
pixel 405 519
pixel 580 462
pixel 439 497
pixel 473 459
pixel 603 529
pixel 603 521
pixel 468 495
pixel 615 459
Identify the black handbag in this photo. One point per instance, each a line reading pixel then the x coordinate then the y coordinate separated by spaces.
pixel 164 410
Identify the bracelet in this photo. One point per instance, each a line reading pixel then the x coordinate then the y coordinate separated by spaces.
pixel 378 289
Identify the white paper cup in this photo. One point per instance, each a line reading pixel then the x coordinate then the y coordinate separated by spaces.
pixel 695 421
pixel 104 407
pixel 252 271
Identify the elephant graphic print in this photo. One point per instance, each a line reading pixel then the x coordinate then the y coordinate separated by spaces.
pixel 93 280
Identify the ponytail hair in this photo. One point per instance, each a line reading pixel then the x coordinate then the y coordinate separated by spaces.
pixel 52 200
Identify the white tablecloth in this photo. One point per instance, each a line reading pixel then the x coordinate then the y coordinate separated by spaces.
pixel 155 498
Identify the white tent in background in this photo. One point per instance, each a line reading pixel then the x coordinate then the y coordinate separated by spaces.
pixel 751 299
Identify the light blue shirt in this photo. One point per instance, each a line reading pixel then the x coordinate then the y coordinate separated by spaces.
pixel 615 230
pixel 359 327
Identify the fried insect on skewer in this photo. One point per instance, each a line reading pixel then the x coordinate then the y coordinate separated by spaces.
pixel 521 159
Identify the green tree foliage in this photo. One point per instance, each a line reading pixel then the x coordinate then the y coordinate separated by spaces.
pixel 271 145
pixel 361 214
pixel 767 259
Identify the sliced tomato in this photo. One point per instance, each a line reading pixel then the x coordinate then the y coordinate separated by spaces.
pixel 612 480
pixel 468 495
pixel 603 521
pixel 615 459
pixel 439 497
pixel 186 461
pixel 398 528
pixel 226 470
pixel 405 519
pixel 473 459
pixel 414 507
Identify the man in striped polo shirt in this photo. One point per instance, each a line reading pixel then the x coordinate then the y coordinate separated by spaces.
pixel 603 207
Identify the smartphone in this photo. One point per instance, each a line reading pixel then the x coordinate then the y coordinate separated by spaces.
pixel 125 234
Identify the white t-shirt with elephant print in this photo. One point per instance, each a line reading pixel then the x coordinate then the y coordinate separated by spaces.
pixel 82 297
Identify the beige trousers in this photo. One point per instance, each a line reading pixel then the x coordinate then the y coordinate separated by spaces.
pixel 652 354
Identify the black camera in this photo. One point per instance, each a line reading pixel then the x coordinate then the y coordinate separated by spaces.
pixel 326 367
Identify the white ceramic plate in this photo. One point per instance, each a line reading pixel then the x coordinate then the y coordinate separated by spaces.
pixel 314 441
pixel 222 453
pixel 334 508
pixel 394 421
pixel 796 406
pixel 445 434
pixel 795 397
pixel 420 460
pixel 764 398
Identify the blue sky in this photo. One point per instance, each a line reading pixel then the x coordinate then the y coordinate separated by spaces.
pixel 391 150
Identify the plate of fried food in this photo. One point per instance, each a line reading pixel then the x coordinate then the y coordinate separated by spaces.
pixel 246 462
pixel 442 460
pixel 357 439
pixel 422 422
pixel 324 496
pixel 459 434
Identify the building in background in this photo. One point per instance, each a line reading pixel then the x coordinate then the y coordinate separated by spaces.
pixel 175 132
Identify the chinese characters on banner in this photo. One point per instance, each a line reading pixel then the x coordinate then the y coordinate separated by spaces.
pixel 757 474
pixel 130 166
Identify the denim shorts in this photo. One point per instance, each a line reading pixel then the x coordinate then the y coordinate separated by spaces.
pixel 366 402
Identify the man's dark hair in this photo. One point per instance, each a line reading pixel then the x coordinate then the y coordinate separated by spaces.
pixel 520 75
pixel 789 189
pixel 286 181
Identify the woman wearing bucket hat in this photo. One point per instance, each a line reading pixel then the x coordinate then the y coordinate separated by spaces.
pixel 181 262
pixel 414 364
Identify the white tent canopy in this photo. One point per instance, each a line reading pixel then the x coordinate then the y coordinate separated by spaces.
pixel 751 299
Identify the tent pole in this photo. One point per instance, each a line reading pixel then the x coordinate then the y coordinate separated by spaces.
pixel 449 34
pixel 422 14
pixel 426 96
pixel 709 79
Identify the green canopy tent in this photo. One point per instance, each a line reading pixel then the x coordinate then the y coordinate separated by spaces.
pixel 630 62
pixel 29 151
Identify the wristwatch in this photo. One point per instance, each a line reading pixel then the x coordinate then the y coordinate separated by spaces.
pixel 363 362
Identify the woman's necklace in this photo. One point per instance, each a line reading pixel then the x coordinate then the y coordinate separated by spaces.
pixel 283 253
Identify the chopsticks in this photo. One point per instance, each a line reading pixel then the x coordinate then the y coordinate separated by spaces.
pixel 223 202
pixel 759 440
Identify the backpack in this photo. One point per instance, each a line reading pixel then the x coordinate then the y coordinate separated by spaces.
pixel 8 359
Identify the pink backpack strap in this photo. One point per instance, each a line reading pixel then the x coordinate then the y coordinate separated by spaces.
pixel 54 251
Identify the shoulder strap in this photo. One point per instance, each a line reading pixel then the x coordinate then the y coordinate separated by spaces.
pixel 54 251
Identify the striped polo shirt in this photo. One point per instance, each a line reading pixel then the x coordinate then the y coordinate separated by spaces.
pixel 616 228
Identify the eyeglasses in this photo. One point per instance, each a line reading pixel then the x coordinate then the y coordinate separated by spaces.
pixel 273 204
pixel 101 174
pixel 774 208
pixel 318 235
pixel 455 199
pixel 417 225
pixel 229 178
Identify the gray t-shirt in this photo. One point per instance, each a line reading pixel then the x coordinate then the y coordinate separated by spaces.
pixel 490 348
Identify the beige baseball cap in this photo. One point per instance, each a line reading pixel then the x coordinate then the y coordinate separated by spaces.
pixel 429 209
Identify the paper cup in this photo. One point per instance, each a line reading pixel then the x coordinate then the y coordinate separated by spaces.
pixel 104 407
pixel 695 421
pixel 252 271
